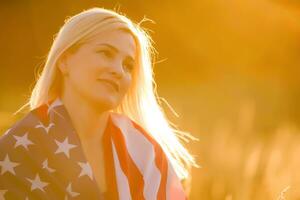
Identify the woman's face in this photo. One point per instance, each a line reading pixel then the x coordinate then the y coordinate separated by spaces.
pixel 100 71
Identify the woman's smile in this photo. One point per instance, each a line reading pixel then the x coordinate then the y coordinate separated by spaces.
pixel 112 85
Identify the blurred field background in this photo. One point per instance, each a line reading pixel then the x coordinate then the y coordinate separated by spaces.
pixel 230 69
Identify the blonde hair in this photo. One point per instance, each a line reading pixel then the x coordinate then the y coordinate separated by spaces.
pixel 141 103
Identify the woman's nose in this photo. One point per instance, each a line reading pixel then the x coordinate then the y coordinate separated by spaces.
pixel 117 70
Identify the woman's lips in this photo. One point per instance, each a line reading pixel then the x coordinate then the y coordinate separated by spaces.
pixel 110 84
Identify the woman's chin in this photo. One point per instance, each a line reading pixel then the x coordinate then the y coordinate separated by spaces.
pixel 105 103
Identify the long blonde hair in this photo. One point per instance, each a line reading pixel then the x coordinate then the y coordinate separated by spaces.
pixel 141 103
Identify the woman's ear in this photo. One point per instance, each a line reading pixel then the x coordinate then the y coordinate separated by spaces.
pixel 62 64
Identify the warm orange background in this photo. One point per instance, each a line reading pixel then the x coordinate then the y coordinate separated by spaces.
pixel 230 69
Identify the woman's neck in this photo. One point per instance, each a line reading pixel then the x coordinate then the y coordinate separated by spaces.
pixel 88 121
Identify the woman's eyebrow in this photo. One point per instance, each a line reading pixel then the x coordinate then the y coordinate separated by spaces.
pixel 113 48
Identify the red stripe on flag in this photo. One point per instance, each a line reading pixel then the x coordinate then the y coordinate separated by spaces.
pixel 110 175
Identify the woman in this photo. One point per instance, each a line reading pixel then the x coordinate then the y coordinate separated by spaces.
pixel 95 129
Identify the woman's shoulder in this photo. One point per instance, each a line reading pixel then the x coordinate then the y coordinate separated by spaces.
pixel 15 147
pixel 140 144
pixel 18 140
pixel 18 127
pixel 133 130
pixel 149 155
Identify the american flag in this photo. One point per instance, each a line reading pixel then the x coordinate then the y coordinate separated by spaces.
pixel 41 157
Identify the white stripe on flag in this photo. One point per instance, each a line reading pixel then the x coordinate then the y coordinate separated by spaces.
pixel 174 188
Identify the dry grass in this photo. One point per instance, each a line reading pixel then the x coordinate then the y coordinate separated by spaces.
pixel 239 163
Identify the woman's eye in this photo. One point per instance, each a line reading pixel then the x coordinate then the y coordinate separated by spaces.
pixel 106 53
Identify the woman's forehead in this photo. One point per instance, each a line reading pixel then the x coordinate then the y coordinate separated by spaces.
pixel 121 40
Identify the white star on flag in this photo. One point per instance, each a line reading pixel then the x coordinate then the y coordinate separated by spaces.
pixel 8 166
pixel 36 183
pixel 2 193
pixel 46 128
pixel 45 165
pixel 23 141
pixel 64 147
pixel 70 192
pixel 86 170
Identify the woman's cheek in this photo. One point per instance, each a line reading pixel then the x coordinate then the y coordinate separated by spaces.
pixel 82 79
pixel 126 84
pixel 129 81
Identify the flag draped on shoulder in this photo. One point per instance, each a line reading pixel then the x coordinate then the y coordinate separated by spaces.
pixel 41 157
